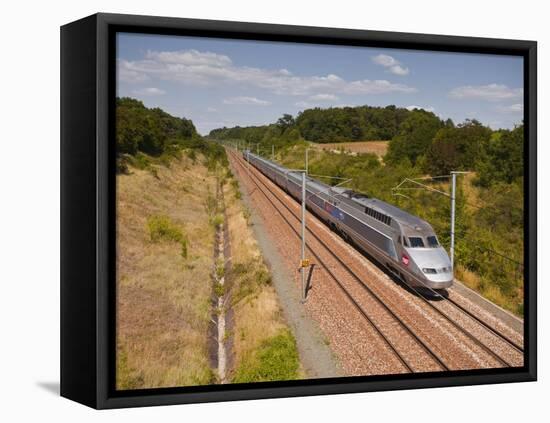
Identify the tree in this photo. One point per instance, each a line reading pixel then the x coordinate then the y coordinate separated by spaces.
pixel 501 158
pixel 414 137
pixel 285 122
pixel 150 131
pixel 456 148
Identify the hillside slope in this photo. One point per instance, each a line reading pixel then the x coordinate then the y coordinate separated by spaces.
pixel 163 297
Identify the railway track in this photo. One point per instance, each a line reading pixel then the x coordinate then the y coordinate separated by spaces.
pixel 430 351
pixel 505 338
pixel 390 344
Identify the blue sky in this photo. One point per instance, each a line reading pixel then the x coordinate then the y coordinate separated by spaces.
pixel 229 82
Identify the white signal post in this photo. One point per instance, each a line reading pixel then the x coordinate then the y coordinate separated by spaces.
pixel 303 261
pixel 453 205
pixel 453 201
pixel 272 153
pixel 307 160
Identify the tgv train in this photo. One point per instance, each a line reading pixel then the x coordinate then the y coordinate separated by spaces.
pixel 405 244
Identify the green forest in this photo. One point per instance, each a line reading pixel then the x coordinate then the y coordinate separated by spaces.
pixel 147 136
pixel 489 231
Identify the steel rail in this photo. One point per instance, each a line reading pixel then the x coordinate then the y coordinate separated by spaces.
pixel 466 332
pixel 419 341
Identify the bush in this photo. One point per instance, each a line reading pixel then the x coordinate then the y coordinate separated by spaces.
pixel 161 228
pixel 276 359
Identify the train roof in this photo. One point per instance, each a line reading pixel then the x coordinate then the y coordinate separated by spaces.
pixel 397 214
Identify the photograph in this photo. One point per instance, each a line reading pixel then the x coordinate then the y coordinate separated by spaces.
pixel 299 211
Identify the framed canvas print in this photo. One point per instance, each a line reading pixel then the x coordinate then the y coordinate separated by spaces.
pixel 257 211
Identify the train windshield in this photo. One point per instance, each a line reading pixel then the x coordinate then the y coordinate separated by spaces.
pixel 416 242
pixel 432 241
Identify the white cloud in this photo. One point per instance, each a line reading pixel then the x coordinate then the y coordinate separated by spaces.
pixel 252 101
pixel 391 64
pixel 513 108
pixel 211 109
pixel 189 58
pixel 317 100
pixel 490 92
pixel 149 91
pixel 206 68
pixel 399 70
pixel 126 73
pixel 428 108
pixel 324 97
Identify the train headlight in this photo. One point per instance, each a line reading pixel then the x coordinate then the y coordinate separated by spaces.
pixel 405 259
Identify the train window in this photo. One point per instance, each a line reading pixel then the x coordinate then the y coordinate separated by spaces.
pixel 432 241
pixel 405 242
pixel 416 242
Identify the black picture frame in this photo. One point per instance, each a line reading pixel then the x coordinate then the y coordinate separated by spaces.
pixel 88 197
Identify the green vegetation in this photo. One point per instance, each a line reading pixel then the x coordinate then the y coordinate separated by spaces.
pixel 161 228
pixel 323 126
pixel 413 137
pixel 276 359
pixel 489 210
pixel 253 276
pixel 350 123
pixel 147 137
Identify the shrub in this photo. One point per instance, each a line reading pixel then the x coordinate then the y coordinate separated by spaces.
pixel 161 228
pixel 276 359
pixel 140 161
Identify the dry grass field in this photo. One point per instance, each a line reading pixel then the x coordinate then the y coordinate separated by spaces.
pixel 375 147
pixel 260 335
pixel 165 259
pixel 163 297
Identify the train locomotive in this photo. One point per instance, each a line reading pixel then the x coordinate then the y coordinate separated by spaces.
pixel 405 245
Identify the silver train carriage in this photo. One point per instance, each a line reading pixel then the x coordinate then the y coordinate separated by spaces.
pixel 405 244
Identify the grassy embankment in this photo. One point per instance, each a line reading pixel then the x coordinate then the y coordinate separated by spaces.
pixel 164 250
pixel 165 235
pixel 264 347
pixel 167 213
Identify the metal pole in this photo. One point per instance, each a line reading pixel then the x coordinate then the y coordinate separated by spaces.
pixel 257 149
pixel 453 201
pixel 272 153
pixel 303 269
pixel 307 160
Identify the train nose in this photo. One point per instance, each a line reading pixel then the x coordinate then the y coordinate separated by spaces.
pixel 435 265
pixel 438 277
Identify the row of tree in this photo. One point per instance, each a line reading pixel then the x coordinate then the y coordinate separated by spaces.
pixel 433 145
pixel 325 125
pixel 156 132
